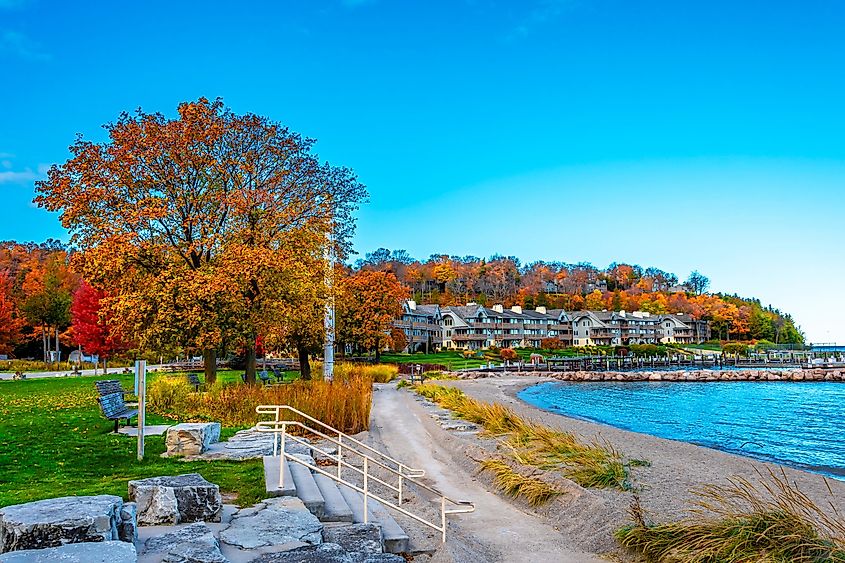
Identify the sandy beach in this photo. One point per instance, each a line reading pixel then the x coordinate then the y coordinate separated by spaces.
pixel 588 518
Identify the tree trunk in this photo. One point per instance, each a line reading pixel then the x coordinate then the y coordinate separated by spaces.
pixel 378 351
pixel 58 349
pixel 44 344
pixel 209 359
pixel 250 363
pixel 304 362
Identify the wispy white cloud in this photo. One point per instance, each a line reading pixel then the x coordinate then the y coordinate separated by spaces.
pixel 24 176
pixel 542 12
pixel 20 45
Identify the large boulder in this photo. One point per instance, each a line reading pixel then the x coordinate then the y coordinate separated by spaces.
pixel 194 543
pixel 100 552
pixel 177 499
pixel 273 522
pixel 191 439
pixel 57 521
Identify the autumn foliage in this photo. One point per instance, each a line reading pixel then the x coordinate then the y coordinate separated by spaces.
pixel 456 280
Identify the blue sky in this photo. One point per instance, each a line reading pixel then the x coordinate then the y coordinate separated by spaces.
pixel 684 135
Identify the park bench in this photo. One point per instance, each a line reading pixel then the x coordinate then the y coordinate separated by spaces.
pixel 280 375
pixel 194 379
pixel 109 386
pixel 264 377
pixel 115 409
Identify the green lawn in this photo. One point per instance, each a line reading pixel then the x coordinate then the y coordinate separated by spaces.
pixel 455 359
pixel 54 442
pixel 449 358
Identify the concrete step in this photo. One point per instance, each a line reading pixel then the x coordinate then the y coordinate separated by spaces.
pixel 271 478
pixel 394 537
pixel 336 509
pixel 354 501
pixel 306 487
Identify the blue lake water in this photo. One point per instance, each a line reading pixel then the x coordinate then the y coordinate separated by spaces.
pixel 797 424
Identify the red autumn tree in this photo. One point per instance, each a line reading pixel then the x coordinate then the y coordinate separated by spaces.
pixel 90 330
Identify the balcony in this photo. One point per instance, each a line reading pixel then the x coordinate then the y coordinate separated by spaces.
pixel 469 337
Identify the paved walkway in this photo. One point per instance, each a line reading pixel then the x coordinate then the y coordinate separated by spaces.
pixel 67 373
pixel 409 434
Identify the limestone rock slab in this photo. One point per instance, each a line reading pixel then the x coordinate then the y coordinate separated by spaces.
pixel 176 499
pixel 194 543
pixel 57 521
pixel 127 528
pixel 327 553
pixel 362 538
pixel 248 444
pixel 273 522
pixel 89 552
pixel 191 438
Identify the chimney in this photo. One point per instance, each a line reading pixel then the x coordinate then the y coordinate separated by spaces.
pixel 517 309
pixel 412 305
pixel 541 310
pixel 498 308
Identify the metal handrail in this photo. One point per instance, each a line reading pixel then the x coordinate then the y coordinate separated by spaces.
pixel 280 427
pixel 276 410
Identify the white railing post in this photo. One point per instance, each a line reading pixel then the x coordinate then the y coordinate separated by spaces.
pixel 443 516
pixel 339 453
pixel 366 488
pixel 282 460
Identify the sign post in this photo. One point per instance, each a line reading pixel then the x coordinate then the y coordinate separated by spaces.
pixel 141 390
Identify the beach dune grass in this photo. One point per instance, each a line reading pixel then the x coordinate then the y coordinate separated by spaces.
pixel 588 464
pixel 529 488
pixel 741 522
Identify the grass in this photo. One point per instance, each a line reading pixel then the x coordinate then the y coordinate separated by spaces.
pixel 772 521
pixel 588 464
pixel 54 442
pixel 529 488
pixel 452 359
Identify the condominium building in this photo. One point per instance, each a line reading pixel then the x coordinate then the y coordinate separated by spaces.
pixel 475 326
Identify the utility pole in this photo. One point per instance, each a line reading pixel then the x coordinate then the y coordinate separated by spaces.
pixel 328 319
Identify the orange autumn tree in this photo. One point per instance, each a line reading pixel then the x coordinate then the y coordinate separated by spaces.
pixel 10 320
pixel 368 303
pixel 189 223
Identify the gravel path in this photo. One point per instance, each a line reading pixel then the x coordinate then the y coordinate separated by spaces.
pixel 498 530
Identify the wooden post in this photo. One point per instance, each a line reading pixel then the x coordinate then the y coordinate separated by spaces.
pixel 141 378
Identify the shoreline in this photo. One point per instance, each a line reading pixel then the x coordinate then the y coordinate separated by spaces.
pixel 676 469
pixel 796 375
pixel 830 472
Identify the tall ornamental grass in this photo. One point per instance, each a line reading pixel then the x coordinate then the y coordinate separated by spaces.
pixel 770 522
pixel 344 404
pixel 588 464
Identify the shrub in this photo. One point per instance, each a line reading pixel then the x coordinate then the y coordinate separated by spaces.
pixel 735 348
pixel 773 521
pixel 508 354
pixel 552 344
pixel 379 373
pixel 167 394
